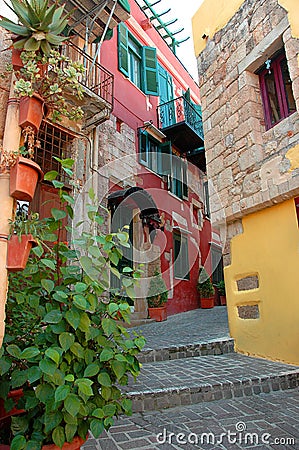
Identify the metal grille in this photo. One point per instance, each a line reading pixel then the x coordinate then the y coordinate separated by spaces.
pixel 54 141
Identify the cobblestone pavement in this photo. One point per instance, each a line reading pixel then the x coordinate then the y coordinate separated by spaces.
pixel 275 414
pixel 187 328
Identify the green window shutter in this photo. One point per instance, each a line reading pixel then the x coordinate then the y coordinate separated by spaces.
pixel 123 59
pixel 165 159
pixel 150 71
pixel 185 181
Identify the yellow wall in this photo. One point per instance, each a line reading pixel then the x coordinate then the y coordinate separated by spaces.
pixel 269 247
pixel 211 17
pixel 292 7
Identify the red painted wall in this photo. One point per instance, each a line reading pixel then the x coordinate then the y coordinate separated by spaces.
pixel 133 107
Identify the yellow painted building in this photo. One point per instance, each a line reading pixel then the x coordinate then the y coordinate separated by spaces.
pixel 252 162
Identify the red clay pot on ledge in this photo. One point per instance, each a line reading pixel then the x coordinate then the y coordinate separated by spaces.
pixel 32 111
pixel 24 176
pixel 159 314
pixel 74 445
pixel 207 303
pixel 18 252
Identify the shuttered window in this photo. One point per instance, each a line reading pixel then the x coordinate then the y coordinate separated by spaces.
pixel 137 62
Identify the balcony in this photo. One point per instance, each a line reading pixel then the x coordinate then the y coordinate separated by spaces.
pixel 98 87
pixel 89 18
pixel 182 124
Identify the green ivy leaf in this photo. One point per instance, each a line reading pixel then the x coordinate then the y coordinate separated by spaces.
pixel 48 263
pixel 34 374
pixel 70 378
pixel 80 287
pixel 91 370
pixel 58 184
pixel 47 366
pixel 62 392
pixel 44 392
pixel 18 443
pixel 98 413
pixel 58 214
pixel 97 427
pixel 66 340
pixel 109 410
pixel 113 307
pixel 119 368
pixel 106 392
pixel 73 318
pixel 109 326
pixel 53 355
pixel 48 285
pixel 58 436
pixel 84 324
pixel 50 176
pixel 126 404
pixel 80 302
pixel 5 365
pixel 18 378
pixel 53 316
pixel 77 350
pixel 14 350
pixel 70 431
pixel 106 354
pixel 52 420
pixel 104 379
pixel 72 404
pixel 29 353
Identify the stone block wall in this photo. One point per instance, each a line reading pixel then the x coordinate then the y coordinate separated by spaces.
pixel 248 165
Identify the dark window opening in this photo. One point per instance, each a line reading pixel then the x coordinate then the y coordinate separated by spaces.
pixel 181 258
pixel 276 90
pixel 217 265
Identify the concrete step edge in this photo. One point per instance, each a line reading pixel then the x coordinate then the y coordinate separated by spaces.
pixel 213 347
pixel 157 399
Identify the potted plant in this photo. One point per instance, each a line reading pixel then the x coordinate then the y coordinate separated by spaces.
pixel 221 290
pixel 26 232
pixel 43 73
pixel 62 345
pixel 157 297
pixel 24 173
pixel 205 289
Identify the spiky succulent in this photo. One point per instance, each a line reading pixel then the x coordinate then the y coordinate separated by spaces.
pixel 40 25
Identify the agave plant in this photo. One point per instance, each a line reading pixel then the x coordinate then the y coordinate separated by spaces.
pixel 40 26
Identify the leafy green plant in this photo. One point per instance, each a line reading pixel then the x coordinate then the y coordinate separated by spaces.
pixel 221 288
pixel 157 293
pixel 40 26
pixel 74 361
pixel 204 285
pixel 59 78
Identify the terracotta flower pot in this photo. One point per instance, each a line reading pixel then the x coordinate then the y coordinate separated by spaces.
pixel 159 314
pixel 16 61
pixel 222 300
pixel 207 302
pixel 18 252
pixel 24 176
pixel 32 111
pixel 15 395
pixel 74 445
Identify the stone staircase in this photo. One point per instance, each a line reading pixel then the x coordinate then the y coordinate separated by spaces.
pixel 180 375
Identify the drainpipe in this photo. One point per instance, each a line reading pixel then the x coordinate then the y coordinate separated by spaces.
pixel 11 142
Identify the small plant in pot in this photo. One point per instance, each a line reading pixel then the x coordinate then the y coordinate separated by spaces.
pixel 222 293
pixel 205 289
pixel 26 232
pixel 62 346
pixel 157 297
pixel 24 172
pixel 44 75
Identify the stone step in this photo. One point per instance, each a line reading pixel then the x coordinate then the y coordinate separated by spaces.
pixel 212 347
pixel 186 381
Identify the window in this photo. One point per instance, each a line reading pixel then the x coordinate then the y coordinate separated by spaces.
pixel 137 62
pixel 180 253
pixel 217 265
pixel 206 199
pixel 276 90
pixel 158 157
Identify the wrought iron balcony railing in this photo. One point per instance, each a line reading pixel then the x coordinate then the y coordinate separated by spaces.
pixel 96 79
pixel 180 111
